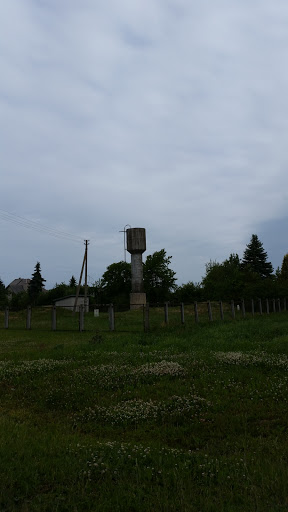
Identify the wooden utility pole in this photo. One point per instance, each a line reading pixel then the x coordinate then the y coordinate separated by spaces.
pixel 84 264
pixel 86 284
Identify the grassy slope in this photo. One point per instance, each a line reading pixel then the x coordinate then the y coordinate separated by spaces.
pixel 178 419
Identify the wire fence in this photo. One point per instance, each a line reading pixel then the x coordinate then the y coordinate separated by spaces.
pixel 147 317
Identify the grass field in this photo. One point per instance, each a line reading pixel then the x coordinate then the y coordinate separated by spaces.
pixel 184 418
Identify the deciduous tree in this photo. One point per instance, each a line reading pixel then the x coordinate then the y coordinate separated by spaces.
pixel 159 278
pixel 188 292
pixel 223 280
pixel 116 283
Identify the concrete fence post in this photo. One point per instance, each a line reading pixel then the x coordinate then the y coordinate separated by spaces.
pixel 28 317
pixel 6 318
pixel 260 306
pixel 81 318
pixel 209 311
pixel 182 313
pixel 111 317
pixel 54 322
pixel 166 318
pixel 233 309
pixel 221 310
pixel 243 308
pixel 267 307
pixel 196 312
pixel 146 317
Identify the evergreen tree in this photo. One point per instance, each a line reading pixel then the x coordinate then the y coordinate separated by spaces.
pixel 255 259
pixel 283 275
pixel 3 294
pixel 277 273
pixel 72 282
pixel 36 284
pixel 281 281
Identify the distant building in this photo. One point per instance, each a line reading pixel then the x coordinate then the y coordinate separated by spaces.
pixel 18 285
pixel 69 301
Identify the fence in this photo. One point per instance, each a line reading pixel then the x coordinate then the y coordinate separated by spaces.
pixel 148 317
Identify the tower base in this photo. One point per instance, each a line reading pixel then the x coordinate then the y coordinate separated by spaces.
pixel 137 300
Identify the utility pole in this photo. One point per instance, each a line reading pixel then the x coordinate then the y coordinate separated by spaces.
pixel 86 285
pixel 84 264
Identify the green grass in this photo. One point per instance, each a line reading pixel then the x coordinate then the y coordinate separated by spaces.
pixel 189 418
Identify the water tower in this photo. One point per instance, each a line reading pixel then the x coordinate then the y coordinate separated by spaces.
pixel 136 245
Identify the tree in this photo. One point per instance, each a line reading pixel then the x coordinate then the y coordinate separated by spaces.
pixel 255 259
pixel 3 294
pixel 283 275
pixel 281 281
pixel 223 281
pixel 97 290
pixel 188 292
pixel 19 301
pixel 36 284
pixel 72 282
pixel 60 290
pixel 116 283
pixel 159 279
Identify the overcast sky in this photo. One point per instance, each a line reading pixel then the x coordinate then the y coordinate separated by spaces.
pixel 170 115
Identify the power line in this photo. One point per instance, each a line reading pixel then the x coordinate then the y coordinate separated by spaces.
pixel 36 226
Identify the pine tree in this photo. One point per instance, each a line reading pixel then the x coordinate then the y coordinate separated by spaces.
pixel 283 275
pixel 72 282
pixel 255 258
pixel 3 294
pixel 36 284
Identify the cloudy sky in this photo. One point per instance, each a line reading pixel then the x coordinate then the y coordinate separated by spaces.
pixel 170 115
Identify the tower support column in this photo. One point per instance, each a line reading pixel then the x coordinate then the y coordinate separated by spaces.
pixel 136 245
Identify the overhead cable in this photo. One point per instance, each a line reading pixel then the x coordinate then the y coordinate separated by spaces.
pixel 36 226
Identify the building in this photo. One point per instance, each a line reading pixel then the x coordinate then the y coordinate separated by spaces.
pixel 69 301
pixel 17 286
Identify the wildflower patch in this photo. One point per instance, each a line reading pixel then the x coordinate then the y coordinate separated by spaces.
pixel 136 411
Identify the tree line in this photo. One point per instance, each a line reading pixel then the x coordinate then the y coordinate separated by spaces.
pixel 251 276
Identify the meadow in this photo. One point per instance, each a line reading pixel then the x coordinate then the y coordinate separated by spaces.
pixel 182 418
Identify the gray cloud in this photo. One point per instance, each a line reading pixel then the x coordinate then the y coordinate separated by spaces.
pixel 167 115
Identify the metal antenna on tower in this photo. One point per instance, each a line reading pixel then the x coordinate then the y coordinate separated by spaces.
pixel 124 231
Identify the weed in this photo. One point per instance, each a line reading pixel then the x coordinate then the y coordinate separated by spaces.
pixel 96 339
pixel 176 419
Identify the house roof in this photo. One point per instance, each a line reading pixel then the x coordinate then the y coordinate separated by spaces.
pixel 19 285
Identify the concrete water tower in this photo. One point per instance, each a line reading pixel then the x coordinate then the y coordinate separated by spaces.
pixel 136 245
